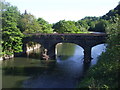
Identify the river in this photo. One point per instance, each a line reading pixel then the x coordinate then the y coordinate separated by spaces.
pixel 65 72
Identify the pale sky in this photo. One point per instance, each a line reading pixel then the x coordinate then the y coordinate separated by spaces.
pixel 56 10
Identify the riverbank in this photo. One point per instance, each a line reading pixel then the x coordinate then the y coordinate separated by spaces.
pixel 28 49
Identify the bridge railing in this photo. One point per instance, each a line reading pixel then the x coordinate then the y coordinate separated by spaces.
pixel 87 34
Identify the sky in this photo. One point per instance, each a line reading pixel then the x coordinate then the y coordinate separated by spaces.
pixel 56 10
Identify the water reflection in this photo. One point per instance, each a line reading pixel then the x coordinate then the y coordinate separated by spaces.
pixel 16 70
pixel 97 51
pixel 65 72
pixel 65 50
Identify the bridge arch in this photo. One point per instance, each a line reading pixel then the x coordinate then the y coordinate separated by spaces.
pixel 65 50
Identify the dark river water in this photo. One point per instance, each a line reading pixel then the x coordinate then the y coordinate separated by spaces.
pixel 65 72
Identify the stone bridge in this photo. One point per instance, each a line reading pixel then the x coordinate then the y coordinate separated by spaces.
pixel 86 41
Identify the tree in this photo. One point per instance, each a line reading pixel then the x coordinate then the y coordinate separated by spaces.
pixel 28 24
pixel 65 27
pixel 87 23
pixel 101 26
pixel 82 25
pixel 11 35
pixel 113 31
pixel 92 25
pixel 45 26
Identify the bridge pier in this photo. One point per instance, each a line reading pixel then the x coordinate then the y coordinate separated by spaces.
pixel 87 54
pixel 51 54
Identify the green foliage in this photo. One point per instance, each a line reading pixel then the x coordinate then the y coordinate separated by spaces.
pixel 82 25
pixel 65 27
pixel 11 35
pixel 46 27
pixel 28 24
pixel 42 21
pixel 100 26
pixel 88 23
